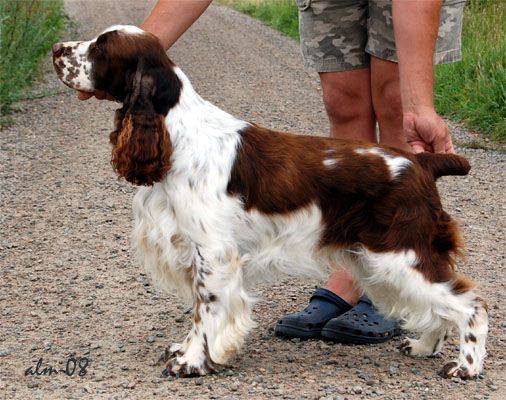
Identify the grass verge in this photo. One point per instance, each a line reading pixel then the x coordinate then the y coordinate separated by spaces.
pixel 472 91
pixel 28 30
pixel 282 15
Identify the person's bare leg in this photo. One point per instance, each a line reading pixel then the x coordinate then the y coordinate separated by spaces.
pixel 347 99
pixel 342 283
pixel 386 99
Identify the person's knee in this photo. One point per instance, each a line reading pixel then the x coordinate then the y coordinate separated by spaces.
pixel 344 105
pixel 347 95
pixel 388 104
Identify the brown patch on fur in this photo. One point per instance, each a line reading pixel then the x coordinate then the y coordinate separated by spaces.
pixel 462 285
pixel 116 58
pixel 277 173
pixel 141 149
pixel 73 73
pixel 483 303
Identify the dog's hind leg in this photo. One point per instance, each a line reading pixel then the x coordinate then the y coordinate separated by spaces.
pixel 400 290
pixel 473 329
pixel 221 316
pixel 429 344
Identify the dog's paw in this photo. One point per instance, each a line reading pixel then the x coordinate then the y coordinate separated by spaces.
pixel 173 351
pixel 415 348
pixel 454 369
pixel 180 367
pixel 405 347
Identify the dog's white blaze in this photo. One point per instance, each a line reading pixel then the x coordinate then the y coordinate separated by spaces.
pixel 395 163
pixel 130 29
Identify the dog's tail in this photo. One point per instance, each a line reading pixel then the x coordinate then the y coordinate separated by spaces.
pixel 443 164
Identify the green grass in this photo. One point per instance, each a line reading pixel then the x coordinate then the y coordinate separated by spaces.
pixel 28 28
pixel 282 15
pixel 472 91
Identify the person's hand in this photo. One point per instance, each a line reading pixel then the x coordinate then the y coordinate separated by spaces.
pixel 426 131
pixel 99 94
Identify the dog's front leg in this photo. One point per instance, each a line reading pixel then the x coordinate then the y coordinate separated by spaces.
pixel 221 315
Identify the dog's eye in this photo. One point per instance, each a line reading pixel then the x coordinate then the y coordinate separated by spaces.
pixel 95 49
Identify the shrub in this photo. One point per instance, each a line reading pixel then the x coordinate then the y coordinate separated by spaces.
pixel 28 29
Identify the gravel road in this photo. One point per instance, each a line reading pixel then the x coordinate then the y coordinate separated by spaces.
pixel 70 290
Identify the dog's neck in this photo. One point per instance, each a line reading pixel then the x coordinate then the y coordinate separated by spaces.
pixel 203 136
pixel 196 119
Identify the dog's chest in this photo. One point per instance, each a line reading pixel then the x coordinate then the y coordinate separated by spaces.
pixel 278 241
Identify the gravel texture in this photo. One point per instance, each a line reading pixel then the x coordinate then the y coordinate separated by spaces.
pixel 70 286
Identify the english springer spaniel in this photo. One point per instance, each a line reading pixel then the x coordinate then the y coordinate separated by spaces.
pixel 222 202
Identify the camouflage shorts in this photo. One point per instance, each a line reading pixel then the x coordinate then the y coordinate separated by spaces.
pixel 339 35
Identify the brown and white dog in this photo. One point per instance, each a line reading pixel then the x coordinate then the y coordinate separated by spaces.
pixel 223 202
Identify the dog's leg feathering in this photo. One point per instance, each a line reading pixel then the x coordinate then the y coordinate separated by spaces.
pixel 221 316
pixel 400 291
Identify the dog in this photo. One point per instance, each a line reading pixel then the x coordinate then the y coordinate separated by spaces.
pixel 222 202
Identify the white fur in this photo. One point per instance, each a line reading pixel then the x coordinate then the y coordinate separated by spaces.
pixel 330 162
pixel 396 164
pixel 76 66
pixel 401 292
pixel 128 29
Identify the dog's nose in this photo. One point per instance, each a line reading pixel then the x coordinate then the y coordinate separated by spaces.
pixel 57 49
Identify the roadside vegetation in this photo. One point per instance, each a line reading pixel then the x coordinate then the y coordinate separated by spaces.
pixel 28 28
pixel 472 91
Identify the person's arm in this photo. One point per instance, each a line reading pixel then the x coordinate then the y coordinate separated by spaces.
pixel 416 25
pixel 169 19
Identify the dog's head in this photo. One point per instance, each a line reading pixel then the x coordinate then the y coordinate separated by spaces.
pixel 131 66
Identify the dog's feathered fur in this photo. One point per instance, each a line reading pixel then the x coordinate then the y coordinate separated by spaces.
pixel 225 202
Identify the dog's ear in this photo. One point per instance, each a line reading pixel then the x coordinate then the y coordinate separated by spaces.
pixel 141 142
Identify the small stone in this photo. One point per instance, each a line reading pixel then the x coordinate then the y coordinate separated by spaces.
pixel 4 353
pixel 150 339
pixel 357 389
pixel 341 390
pixel 199 381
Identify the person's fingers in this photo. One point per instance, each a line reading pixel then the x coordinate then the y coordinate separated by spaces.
pixel 84 95
pixel 439 144
pixel 110 98
pixel 100 95
pixel 418 148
